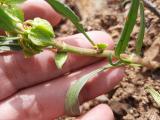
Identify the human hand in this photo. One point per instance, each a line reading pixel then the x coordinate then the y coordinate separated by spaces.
pixel 34 89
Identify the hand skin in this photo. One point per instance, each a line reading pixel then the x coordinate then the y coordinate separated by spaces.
pixel 34 89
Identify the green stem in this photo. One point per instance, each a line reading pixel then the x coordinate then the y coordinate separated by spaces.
pixel 61 46
pixel 81 51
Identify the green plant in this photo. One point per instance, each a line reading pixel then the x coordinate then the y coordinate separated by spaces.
pixel 32 36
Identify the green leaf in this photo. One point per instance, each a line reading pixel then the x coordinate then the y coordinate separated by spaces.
pixel 10 16
pixel 29 48
pixel 155 94
pixel 60 59
pixel 41 33
pixel 39 37
pixel 44 25
pixel 9 2
pixel 16 13
pixel 139 42
pixel 6 22
pixel 69 14
pixel 128 28
pixel 71 101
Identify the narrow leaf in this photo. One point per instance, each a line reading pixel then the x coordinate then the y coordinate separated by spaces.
pixel 60 59
pixel 128 28
pixel 68 13
pixel 71 101
pixel 139 41
pixel 155 94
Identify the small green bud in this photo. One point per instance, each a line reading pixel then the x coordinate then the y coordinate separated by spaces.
pixel 38 34
pixel 41 32
pixel 102 46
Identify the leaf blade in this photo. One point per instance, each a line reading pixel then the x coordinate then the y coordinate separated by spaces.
pixel 6 22
pixel 41 34
pixel 139 42
pixel 60 59
pixel 128 28
pixel 71 101
pixel 16 12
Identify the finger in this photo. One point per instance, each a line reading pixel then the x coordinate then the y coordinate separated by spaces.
pixel 40 8
pixel 46 101
pixel 17 72
pixel 100 112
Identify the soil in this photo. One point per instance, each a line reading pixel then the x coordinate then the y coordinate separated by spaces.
pixel 128 100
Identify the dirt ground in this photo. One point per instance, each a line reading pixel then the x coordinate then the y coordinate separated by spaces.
pixel 128 100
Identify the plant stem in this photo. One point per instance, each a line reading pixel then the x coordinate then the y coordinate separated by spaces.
pixel 61 46
pixel 81 51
